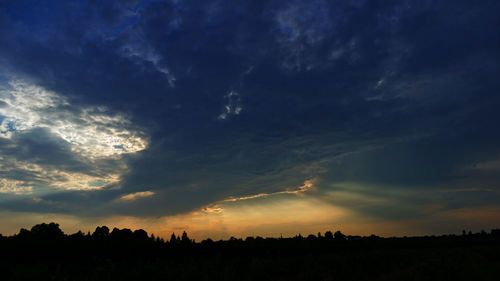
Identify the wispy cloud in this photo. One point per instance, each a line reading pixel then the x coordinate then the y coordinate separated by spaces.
pixel 302 27
pixel 308 185
pixel 216 207
pixel 145 53
pixel 233 105
pixel 137 195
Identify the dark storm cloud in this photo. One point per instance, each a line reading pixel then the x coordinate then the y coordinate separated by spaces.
pixel 397 94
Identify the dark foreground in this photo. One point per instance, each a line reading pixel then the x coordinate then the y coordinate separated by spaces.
pixel 45 253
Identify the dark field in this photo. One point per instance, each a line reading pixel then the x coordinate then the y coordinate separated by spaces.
pixel 45 253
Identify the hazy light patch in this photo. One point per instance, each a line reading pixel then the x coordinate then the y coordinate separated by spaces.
pixel 272 217
pixel 289 216
pixel 137 195
pixel 360 197
pixel 93 131
pixel 268 217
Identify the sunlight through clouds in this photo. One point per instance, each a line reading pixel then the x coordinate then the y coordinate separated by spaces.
pixel 42 118
pixel 91 131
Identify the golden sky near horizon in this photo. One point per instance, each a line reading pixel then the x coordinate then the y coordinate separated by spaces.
pixel 268 215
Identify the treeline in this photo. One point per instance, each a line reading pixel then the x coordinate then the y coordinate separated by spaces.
pixel 45 252
pixel 52 232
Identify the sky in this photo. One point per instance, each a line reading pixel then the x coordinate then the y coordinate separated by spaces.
pixel 250 118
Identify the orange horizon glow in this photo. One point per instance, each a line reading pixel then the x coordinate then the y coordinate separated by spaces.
pixel 273 215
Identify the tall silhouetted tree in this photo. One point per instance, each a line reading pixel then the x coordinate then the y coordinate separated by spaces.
pixel 328 235
pixel 173 239
pixel 185 239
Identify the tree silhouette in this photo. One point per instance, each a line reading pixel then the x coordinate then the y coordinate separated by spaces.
pixel 140 235
pixel 173 239
pixel 339 236
pixel 78 236
pixel 123 254
pixel 47 231
pixel 121 234
pixel 185 239
pixel 23 233
pixel 101 232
